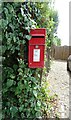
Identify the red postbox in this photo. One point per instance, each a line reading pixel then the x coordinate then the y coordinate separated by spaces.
pixel 36 48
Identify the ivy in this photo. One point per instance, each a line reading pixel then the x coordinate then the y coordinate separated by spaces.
pixel 23 96
pixel 20 95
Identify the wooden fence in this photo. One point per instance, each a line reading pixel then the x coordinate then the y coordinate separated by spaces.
pixel 60 52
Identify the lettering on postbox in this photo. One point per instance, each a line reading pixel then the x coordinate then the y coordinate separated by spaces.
pixel 36 48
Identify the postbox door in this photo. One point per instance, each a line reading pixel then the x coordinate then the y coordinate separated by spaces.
pixel 36 56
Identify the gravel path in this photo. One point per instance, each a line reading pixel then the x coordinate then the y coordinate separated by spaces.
pixel 59 84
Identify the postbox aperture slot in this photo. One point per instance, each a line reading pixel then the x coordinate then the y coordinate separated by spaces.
pixel 37 36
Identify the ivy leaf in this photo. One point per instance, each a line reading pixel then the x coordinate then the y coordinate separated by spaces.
pixel 11 26
pixel 3 49
pixel 12 76
pixel 22 12
pixel 21 108
pixel 9 83
pixel 23 42
pixel 13 111
pixel 35 93
pixel 38 103
pixel 6 11
pixel 38 114
pixel 28 37
pixel 4 23
pixel 21 34
pixel 15 67
pixel 14 38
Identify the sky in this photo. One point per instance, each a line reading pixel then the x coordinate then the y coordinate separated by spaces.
pixel 62 6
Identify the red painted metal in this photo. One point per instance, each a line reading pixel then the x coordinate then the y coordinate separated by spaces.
pixel 36 48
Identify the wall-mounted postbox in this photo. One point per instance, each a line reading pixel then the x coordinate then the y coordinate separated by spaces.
pixel 36 48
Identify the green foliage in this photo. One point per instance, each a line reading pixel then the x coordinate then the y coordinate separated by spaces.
pixel 48 18
pixel 20 87
pixel 23 97
pixel 57 41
